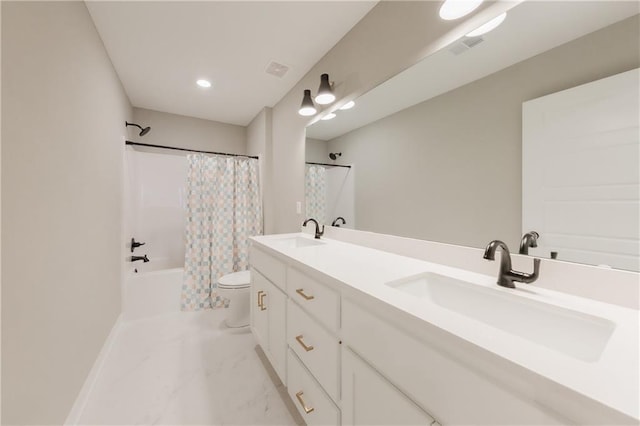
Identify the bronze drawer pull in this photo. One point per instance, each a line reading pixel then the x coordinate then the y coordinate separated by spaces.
pixel 304 406
pixel 300 291
pixel 306 348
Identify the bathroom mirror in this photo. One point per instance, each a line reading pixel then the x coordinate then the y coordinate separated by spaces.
pixel 437 151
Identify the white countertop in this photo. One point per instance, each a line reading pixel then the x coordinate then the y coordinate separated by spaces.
pixel 612 380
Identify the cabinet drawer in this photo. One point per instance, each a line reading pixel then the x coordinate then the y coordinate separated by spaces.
pixel 319 300
pixel 317 349
pixel 313 404
pixel 268 266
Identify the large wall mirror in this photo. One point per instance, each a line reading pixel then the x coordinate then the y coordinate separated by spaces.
pixel 530 127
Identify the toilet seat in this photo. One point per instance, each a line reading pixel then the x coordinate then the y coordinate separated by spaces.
pixel 235 281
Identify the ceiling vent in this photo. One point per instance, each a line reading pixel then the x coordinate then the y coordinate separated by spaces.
pixel 274 68
pixel 465 44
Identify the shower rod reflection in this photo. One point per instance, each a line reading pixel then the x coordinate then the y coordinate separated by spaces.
pixel 325 164
pixel 187 149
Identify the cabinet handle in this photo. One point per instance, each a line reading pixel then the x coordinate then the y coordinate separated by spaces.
pixel 262 296
pixel 301 401
pixel 306 348
pixel 260 293
pixel 300 291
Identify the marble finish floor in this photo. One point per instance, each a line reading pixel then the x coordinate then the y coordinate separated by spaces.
pixel 187 368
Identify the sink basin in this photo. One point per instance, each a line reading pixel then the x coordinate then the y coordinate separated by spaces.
pixel 297 242
pixel 573 333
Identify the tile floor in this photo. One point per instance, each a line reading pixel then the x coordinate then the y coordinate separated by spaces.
pixel 187 368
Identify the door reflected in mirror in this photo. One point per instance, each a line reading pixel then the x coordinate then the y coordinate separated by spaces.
pixel 439 148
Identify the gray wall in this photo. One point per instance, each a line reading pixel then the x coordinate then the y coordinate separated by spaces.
pixel 63 113
pixel 188 132
pixel 316 151
pixel 449 169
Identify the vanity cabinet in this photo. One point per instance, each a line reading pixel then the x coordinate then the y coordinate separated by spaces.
pixel 268 320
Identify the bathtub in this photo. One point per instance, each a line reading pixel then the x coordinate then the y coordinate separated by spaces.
pixel 152 291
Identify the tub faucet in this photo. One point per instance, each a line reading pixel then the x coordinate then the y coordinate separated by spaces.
pixel 144 258
pixel 530 239
pixel 318 231
pixel 506 275
pixel 335 222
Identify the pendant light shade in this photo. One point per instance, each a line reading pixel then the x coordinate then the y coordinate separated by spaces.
pixel 307 108
pixel 325 93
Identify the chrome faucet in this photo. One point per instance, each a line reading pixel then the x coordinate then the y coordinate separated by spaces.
pixel 506 275
pixel 318 231
pixel 530 239
pixel 335 222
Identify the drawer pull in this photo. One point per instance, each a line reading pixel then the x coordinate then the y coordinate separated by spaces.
pixel 300 291
pixel 306 348
pixel 260 293
pixel 262 296
pixel 301 401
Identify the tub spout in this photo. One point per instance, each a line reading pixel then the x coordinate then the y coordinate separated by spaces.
pixel 144 258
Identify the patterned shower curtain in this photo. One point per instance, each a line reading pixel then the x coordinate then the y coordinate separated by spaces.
pixel 223 211
pixel 316 192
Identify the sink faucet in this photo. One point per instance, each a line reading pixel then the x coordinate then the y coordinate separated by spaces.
pixel 318 231
pixel 506 275
pixel 530 239
pixel 335 222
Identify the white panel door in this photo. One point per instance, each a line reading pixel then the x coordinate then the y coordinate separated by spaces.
pixel 581 172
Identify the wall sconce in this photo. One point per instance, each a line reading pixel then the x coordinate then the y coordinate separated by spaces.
pixel 307 108
pixel 325 93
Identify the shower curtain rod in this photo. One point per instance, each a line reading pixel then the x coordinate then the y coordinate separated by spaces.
pixel 325 164
pixel 186 149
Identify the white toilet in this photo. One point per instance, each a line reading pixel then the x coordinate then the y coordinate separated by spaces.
pixel 236 287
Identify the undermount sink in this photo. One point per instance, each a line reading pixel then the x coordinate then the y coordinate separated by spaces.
pixel 573 333
pixel 297 242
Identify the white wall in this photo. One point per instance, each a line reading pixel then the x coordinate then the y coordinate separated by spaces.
pixel 188 132
pixel 316 151
pixel 341 195
pixel 259 142
pixel 63 127
pixel 449 169
pixel 393 36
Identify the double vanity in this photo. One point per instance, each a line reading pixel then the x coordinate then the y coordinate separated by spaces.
pixel 361 337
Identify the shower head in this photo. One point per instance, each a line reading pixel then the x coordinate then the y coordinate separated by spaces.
pixel 334 155
pixel 143 131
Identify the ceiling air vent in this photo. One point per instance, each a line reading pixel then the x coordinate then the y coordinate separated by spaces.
pixel 465 44
pixel 274 68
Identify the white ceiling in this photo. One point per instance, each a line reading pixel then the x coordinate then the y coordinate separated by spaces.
pixel 530 28
pixel 159 49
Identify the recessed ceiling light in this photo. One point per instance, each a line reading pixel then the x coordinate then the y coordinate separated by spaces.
pixel 204 83
pixel 454 9
pixel 348 105
pixel 329 116
pixel 491 25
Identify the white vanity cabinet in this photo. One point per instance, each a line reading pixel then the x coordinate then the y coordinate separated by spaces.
pixel 268 320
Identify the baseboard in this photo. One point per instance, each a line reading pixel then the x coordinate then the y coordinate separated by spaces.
pixel 81 401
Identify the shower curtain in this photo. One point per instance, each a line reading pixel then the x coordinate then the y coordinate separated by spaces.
pixel 316 192
pixel 223 211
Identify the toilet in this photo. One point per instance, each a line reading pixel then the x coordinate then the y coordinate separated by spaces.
pixel 236 288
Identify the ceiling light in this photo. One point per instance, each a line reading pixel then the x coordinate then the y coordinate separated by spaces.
pixel 307 108
pixel 348 105
pixel 204 83
pixel 325 92
pixel 491 25
pixel 454 9
pixel 328 116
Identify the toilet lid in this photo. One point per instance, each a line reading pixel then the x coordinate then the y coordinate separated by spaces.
pixel 235 280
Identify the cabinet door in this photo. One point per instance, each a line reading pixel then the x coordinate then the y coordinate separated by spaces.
pixel 275 303
pixel 259 312
pixel 369 399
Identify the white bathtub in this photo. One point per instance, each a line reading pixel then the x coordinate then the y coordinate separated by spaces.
pixel 151 292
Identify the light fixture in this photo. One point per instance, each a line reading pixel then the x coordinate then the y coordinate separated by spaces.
pixel 491 25
pixel 348 105
pixel 325 92
pixel 203 83
pixel 328 116
pixel 307 108
pixel 454 9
